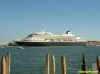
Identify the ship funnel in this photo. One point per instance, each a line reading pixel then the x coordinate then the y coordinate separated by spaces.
pixel 67 32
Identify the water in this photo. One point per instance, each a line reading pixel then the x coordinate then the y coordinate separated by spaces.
pixel 31 60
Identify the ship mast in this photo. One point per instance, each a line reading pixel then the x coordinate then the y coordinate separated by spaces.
pixel 43 27
pixel 65 28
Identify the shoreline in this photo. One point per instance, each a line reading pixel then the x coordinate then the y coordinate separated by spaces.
pixel 4 46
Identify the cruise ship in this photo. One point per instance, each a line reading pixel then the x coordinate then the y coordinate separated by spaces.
pixel 50 39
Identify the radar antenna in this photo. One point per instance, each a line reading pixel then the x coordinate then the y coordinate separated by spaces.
pixel 65 27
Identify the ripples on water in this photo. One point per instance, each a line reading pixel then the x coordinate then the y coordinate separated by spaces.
pixel 31 60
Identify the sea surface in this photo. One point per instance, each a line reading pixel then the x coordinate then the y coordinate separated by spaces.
pixel 31 60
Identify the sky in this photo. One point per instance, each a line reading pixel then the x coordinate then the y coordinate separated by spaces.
pixel 18 18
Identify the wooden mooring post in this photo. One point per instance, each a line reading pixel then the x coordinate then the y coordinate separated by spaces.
pixel 63 64
pixel 5 64
pixel 8 62
pixel 48 64
pixel 84 64
pixel 98 64
pixel 53 65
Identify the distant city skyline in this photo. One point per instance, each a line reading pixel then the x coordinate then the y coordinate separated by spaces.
pixel 18 18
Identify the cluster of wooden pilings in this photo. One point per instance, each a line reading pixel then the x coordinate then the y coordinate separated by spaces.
pixel 5 64
pixel 64 65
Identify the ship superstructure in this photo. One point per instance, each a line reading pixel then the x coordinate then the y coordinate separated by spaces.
pixel 49 39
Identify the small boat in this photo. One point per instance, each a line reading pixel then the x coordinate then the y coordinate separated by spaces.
pixel 20 47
